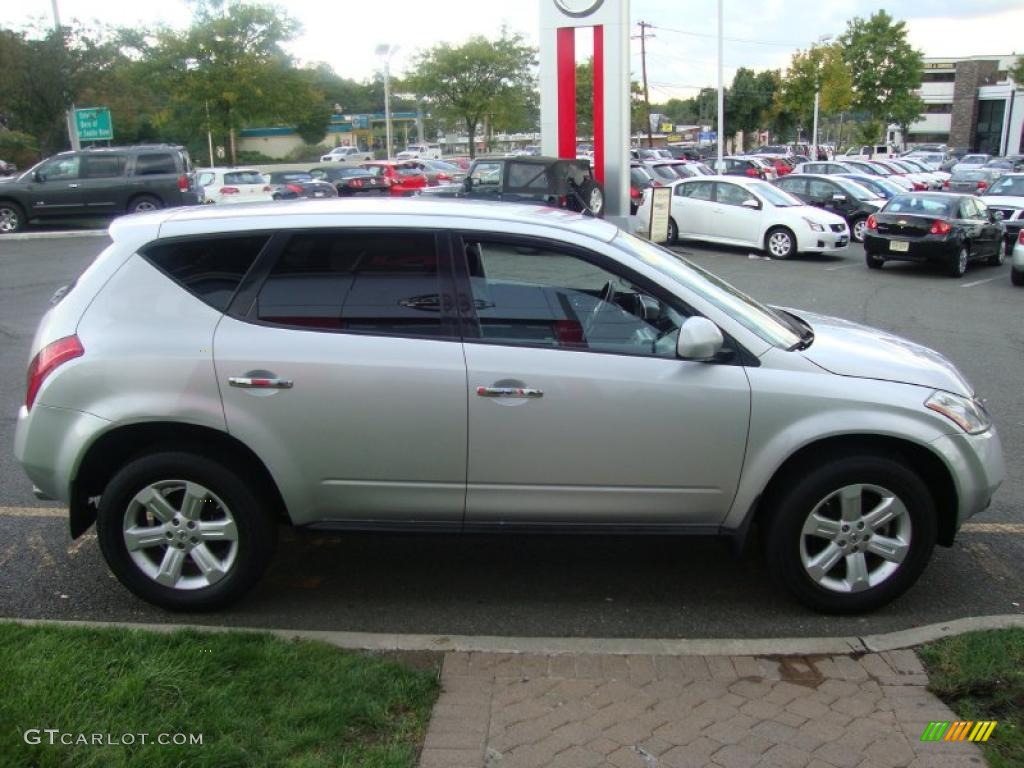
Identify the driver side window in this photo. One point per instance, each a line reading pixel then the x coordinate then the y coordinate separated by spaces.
pixel 61 168
pixel 486 175
pixel 534 296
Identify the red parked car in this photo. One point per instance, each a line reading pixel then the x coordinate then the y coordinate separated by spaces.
pixel 782 165
pixel 405 178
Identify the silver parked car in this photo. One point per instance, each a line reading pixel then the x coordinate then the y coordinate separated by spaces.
pixel 433 365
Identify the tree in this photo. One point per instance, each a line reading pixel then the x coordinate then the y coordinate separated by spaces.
pixel 886 70
pixel 474 80
pixel 1016 72
pixel 749 101
pixel 820 69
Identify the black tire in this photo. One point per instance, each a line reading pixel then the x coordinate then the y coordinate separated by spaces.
pixel 874 261
pixel 591 198
pixel 998 258
pixel 12 218
pixel 256 529
pixel 1017 276
pixel 793 505
pixel 780 235
pixel 143 203
pixel 673 231
pixel 858 224
pixel 958 264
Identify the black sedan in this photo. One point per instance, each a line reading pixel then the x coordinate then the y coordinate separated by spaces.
pixel 936 227
pixel 291 185
pixel 840 196
pixel 351 181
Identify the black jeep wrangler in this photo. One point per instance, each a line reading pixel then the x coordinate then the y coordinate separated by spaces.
pixel 544 180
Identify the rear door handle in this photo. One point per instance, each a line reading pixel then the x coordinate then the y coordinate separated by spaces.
pixel 246 382
pixel 72 186
pixel 523 392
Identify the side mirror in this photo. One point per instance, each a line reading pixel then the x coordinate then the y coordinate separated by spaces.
pixel 700 340
pixel 995 215
pixel 38 176
pixel 751 204
pixel 467 184
pixel 837 198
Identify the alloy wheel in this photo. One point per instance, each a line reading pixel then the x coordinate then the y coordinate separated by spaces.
pixel 859 227
pixel 780 244
pixel 10 221
pixel 855 538
pixel 180 535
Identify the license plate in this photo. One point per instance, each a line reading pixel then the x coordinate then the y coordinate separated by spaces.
pixel 318 194
pixel 899 245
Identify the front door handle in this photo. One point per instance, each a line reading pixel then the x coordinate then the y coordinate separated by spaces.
pixel 72 186
pixel 247 382
pixel 522 392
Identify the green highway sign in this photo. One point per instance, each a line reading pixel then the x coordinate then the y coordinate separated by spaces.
pixel 94 124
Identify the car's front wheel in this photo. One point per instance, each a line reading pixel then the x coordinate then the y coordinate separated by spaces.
pixel 857 228
pixel 851 534
pixel 780 243
pixel 184 531
pixel 11 218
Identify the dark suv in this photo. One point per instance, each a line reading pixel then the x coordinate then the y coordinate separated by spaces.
pixel 102 181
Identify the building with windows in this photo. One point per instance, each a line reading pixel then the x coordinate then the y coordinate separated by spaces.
pixel 970 103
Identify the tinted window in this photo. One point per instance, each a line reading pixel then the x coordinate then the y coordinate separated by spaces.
pixel 820 190
pixel 211 268
pixel 540 297
pixel 486 174
pixel 731 194
pixel 697 190
pixel 527 176
pixel 102 166
pixel 916 204
pixel 793 186
pixel 60 168
pixel 1008 185
pixel 370 282
pixel 148 165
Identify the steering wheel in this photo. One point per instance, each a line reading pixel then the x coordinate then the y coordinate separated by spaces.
pixel 607 295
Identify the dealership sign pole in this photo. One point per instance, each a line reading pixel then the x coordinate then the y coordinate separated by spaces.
pixel 609 20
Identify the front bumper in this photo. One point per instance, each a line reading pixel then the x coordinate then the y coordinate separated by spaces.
pixel 825 242
pixel 977 466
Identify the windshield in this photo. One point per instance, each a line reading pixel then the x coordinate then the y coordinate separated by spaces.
pixel 970 176
pixel 1008 185
pixel 974 159
pixel 855 189
pixel 766 323
pixel 777 197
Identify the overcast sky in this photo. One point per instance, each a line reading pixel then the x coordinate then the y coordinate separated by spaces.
pixel 760 34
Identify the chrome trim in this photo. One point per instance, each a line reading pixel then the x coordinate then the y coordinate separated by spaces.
pixel 247 382
pixel 509 392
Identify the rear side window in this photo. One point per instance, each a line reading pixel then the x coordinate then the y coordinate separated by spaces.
pixel 152 164
pixel 211 269
pixel 367 282
pixel 102 166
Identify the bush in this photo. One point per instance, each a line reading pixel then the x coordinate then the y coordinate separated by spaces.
pixel 252 157
pixel 19 148
pixel 307 153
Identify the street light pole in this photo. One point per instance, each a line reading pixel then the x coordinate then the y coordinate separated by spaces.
pixel 69 113
pixel 387 51
pixel 721 91
pixel 817 98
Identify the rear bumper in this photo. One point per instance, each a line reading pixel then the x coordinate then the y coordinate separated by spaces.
pixel 930 248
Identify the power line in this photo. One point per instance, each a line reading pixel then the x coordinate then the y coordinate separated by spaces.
pixel 782 43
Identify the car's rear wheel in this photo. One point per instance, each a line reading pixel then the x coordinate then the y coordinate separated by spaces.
pixel 780 243
pixel 144 203
pixel 998 258
pixel 874 261
pixel 673 231
pixel 852 534
pixel 12 219
pixel 958 265
pixel 184 531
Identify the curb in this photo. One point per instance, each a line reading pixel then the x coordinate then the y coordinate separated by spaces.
pixel 54 235
pixel 795 646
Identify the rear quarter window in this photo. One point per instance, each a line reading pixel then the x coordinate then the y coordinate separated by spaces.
pixel 210 268
pixel 154 164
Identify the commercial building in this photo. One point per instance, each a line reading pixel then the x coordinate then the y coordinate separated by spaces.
pixel 972 103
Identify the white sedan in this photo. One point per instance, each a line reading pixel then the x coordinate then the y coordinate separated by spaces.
pixel 732 210
pixel 232 185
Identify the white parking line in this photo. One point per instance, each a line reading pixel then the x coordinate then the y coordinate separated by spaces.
pixel 844 266
pixel 978 282
pixel 33 512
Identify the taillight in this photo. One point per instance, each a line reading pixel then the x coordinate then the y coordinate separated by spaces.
pixel 982 185
pixel 355 182
pixel 182 183
pixel 49 358
pixel 919 187
pixel 636 194
pixel 945 183
pixel 229 190
pixel 940 227
pixel 293 188
pixel 443 177
pixel 872 222
pixel 1020 237
pixel 752 172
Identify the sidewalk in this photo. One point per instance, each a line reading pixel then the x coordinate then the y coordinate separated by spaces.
pixel 572 710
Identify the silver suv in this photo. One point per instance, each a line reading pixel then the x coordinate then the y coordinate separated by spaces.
pixel 468 367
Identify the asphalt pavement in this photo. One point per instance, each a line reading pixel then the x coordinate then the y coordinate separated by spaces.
pixel 556 586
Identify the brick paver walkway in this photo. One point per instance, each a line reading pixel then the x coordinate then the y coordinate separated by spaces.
pixel 637 711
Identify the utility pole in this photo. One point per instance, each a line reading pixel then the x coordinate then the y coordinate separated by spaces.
pixel 721 93
pixel 69 113
pixel 643 68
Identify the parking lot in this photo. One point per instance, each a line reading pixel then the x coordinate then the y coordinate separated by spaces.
pixel 552 586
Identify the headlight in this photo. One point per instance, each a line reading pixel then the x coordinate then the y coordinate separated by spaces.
pixel 970 415
pixel 815 226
